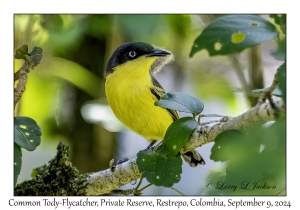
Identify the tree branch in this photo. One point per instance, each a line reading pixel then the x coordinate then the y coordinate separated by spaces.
pixel 20 75
pixel 255 71
pixel 106 181
pixel 31 59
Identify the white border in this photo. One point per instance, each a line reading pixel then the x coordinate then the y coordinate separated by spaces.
pixel 154 6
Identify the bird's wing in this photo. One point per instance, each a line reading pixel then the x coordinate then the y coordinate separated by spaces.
pixel 158 91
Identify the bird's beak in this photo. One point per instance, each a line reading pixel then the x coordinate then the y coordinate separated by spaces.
pixel 158 53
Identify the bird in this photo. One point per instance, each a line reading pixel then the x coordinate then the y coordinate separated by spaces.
pixel 132 90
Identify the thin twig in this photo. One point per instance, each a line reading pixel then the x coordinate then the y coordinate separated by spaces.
pixel 255 69
pixel 239 71
pixel 267 93
pixel 209 122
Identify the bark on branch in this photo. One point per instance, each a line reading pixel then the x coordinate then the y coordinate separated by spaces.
pixel 31 59
pixel 105 181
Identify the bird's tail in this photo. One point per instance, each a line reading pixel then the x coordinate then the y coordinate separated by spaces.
pixel 193 158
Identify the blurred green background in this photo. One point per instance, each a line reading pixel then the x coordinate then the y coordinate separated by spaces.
pixel 65 92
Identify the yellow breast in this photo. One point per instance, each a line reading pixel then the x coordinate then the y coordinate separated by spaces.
pixel 128 93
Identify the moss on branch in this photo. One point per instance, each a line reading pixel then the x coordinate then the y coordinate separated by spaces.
pixel 57 178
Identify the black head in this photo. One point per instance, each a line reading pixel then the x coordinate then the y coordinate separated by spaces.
pixel 130 51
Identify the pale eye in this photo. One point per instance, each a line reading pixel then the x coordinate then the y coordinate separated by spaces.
pixel 132 54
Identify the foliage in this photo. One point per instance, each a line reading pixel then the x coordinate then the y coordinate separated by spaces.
pixel 234 33
pixel 178 133
pixel 17 162
pixel 242 152
pixel 181 102
pixel 166 159
pixel 159 168
pixel 34 57
pixel 280 53
pixel 255 161
pixel 280 20
pixel 27 133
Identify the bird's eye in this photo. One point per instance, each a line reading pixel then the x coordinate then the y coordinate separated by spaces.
pixel 132 54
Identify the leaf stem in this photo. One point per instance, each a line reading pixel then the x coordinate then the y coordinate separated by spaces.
pixel 199 117
pixel 180 193
pixel 145 187
pixel 139 184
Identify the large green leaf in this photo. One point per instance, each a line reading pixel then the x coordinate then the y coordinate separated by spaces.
pixel 17 162
pixel 27 133
pixel 181 102
pixel 234 33
pixel 159 169
pixel 178 133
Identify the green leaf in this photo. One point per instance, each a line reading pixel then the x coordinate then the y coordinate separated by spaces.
pixel 17 162
pixel 178 133
pixel 234 33
pixel 282 79
pixel 228 145
pixel 181 102
pixel 21 52
pixel 280 53
pixel 27 133
pixel 36 55
pixel 159 169
pixel 280 20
